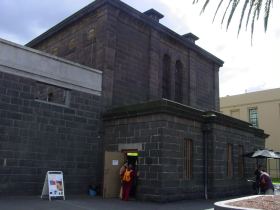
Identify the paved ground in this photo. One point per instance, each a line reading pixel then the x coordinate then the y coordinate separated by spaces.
pixel 97 203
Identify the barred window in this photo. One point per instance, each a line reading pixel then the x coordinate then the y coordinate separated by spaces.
pixel 52 94
pixel 240 161
pixel 179 82
pixel 229 161
pixel 253 117
pixel 166 77
pixel 188 158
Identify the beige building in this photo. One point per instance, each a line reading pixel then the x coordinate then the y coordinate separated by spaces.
pixel 262 110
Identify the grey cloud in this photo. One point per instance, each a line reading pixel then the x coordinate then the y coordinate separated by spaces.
pixel 256 88
pixel 23 20
pixel 168 20
pixel 28 18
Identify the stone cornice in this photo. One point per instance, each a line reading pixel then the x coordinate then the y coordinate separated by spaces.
pixel 168 107
pixel 219 118
pixel 154 107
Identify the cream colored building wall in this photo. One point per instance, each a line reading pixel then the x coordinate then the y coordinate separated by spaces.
pixel 268 107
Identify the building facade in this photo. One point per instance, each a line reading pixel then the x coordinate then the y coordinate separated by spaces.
pixel 157 90
pixel 141 59
pixel 184 153
pixel 50 118
pixel 262 110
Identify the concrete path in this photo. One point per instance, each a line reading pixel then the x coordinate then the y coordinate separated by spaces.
pixel 97 203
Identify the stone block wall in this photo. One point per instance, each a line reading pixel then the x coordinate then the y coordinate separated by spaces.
pixel 200 75
pixel 146 131
pixel 175 184
pixel 38 136
pixel 129 48
pixel 162 127
pixel 161 161
pixel 224 130
pixel 131 68
pixel 86 41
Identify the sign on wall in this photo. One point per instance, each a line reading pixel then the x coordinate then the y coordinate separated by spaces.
pixel 53 185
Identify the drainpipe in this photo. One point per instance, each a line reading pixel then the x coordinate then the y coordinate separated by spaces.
pixel 206 130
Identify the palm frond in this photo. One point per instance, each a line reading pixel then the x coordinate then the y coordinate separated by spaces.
pixel 204 6
pixel 266 13
pixel 249 12
pixel 251 7
pixel 234 5
pixel 258 7
pixel 242 15
pixel 253 22
pixel 229 3
pixel 218 7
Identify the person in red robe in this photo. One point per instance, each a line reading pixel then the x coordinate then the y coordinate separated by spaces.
pixel 122 170
pixel 127 180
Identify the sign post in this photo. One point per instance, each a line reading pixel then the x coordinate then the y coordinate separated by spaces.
pixel 53 185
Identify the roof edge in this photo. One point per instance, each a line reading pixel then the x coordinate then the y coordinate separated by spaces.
pixel 124 7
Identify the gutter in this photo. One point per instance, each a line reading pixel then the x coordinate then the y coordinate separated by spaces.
pixel 206 130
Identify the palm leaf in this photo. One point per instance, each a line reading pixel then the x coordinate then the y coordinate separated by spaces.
pixel 253 13
pixel 234 5
pixel 266 13
pixel 230 1
pixel 253 22
pixel 217 9
pixel 258 7
pixel 204 6
pixel 249 12
pixel 242 15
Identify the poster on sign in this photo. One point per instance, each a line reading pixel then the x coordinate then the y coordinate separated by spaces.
pixel 53 186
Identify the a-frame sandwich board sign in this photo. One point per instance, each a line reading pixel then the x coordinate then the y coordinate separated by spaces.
pixel 53 185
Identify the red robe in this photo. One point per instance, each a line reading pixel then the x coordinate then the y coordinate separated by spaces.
pixel 127 186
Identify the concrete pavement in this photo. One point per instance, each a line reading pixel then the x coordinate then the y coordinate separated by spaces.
pixel 97 203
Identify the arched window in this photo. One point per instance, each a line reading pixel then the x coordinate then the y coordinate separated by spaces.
pixel 166 77
pixel 179 82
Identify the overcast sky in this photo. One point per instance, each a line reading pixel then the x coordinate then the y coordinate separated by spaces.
pixel 247 68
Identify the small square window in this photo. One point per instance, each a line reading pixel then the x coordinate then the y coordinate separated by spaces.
pixel 52 94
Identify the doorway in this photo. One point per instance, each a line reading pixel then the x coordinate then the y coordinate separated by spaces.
pixel 132 158
pixel 113 161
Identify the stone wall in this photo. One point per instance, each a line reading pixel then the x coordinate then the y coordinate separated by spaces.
pixel 175 184
pixel 129 48
pixel 220 183
pixel 162 127
pixel 161 162
pixel 86 42
pixel 38 136
pixel 146 131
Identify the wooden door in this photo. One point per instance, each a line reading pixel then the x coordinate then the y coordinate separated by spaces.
pixel 111 182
